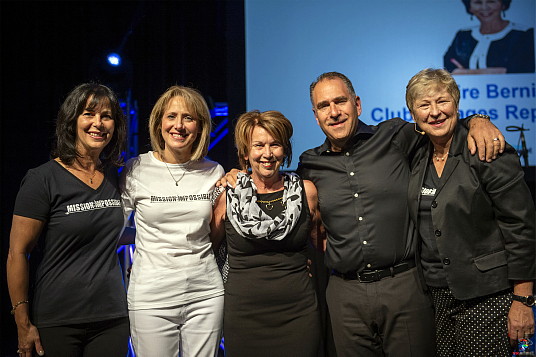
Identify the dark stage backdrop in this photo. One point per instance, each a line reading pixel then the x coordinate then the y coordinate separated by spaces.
pixel 48 47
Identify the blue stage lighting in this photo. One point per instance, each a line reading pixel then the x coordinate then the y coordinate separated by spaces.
pixel 114 59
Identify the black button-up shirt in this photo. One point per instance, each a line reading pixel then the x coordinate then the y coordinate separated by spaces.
pixel 362 193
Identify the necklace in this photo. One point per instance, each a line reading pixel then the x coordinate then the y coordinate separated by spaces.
pixel 269 205
pixel 92 176
pixel 173 177
pixel 440 158
pixel 82 171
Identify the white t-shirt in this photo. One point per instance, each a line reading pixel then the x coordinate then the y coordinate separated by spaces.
pixel 173 262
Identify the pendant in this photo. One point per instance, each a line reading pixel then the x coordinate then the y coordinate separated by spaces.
pixel 91 181
pixel 176 184
pixel 269 206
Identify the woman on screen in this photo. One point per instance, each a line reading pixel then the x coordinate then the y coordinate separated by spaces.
pixel 495 46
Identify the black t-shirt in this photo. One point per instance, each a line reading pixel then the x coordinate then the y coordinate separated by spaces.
pixel 431 261
pixel 78 279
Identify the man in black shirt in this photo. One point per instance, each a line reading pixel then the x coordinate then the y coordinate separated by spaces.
pixel 376 301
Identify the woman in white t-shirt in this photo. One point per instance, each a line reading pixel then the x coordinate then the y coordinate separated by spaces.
pixel 175 294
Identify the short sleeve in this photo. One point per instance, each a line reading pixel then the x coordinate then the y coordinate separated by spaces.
pixel 127 186
pixel 33 198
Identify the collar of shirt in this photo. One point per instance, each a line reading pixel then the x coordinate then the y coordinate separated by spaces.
pixel 363 131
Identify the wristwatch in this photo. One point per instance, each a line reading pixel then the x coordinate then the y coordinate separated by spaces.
pixel 527 300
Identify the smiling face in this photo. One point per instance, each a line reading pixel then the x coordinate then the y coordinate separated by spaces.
pixel 265 155
pixel 436 113
pixel 486 10
pixel 179 131
pixel 94 128
pixel 336 111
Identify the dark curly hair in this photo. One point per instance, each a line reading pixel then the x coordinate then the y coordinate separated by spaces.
pixel 66 123
pixel 467 3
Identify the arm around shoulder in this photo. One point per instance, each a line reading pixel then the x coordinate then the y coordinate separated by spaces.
pixel 484 136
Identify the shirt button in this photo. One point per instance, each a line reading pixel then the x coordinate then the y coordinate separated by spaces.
pixel 437 233
pixel 352 174
pixel 369 266
pixel 365 242
pixel 356 195
pixel 434 204
pixel 347 154
pixel 360 218
pixel 446 261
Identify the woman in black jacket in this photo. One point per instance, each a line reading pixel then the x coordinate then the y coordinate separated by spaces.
pixel 476 223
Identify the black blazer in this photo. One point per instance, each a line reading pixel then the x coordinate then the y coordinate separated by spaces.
pixel 483 218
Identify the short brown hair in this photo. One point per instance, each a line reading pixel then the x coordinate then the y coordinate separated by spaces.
pixel 275 123
pixel 431 77
pixel 199 108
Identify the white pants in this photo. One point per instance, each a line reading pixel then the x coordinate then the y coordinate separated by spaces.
pixel 193 330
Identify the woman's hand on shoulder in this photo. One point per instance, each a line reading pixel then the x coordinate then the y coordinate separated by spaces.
pixel 229 179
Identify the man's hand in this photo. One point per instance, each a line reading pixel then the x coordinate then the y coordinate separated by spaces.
pixel 485 137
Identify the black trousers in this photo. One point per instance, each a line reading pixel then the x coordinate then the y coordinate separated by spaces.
pixel 92 339
pixel 390 317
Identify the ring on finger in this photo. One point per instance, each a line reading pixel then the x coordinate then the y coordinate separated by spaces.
pixel 495 139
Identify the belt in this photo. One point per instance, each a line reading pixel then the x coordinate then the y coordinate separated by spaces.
pixel 375 275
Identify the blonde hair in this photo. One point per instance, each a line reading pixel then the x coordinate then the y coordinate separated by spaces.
pixel 426 78
pixel 199 108
pixel 275 123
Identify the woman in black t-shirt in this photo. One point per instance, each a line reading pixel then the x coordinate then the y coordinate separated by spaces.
pixel 71 207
